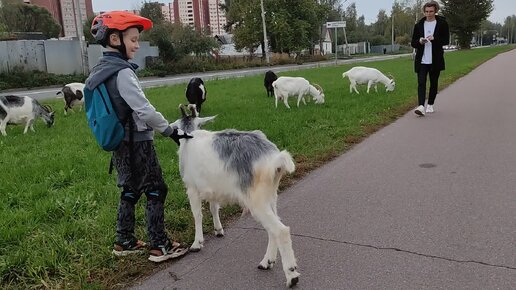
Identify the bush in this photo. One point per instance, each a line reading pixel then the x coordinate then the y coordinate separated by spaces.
pixel 18 78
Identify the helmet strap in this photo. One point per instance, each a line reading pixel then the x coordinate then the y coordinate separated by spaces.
pixel 121 47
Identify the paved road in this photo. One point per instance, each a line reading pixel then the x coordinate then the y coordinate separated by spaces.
pixel 425 203
pixel 50 92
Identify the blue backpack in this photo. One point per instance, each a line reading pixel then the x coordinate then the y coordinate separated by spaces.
pixel 102 118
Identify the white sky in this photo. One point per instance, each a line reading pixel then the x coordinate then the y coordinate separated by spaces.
pixel 368 8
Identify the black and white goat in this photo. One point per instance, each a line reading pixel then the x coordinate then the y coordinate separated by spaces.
pixel 285 87
pixel 196 93
pixel 236 166
pixel 370 76
pixel 73 95
pixel 16 110
pixel 270 77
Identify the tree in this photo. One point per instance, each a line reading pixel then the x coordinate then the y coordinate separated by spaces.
pixel 465 17
pixel 86 30
pixel 152 10
pixel 18 17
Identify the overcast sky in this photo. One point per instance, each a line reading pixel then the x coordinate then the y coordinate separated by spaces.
pixel 502 9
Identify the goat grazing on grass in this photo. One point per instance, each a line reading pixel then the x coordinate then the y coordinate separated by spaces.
pixel 16 110
pixel 196 93
pixel 236 166
pixel 370 76
pixel 270 77
pixel 296 86
pixel 73 96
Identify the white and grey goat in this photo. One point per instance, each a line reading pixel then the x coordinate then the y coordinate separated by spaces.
pixel 370 76
pixel 296 86
pixel 241 167
pixel 16 110
pixel 73 96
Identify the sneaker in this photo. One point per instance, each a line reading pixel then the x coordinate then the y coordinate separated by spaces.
pixel 170 250
pixel 129 247
pixel 429 108
pixel 420 111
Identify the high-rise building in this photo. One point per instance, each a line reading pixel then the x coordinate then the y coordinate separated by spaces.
pixel 64 11
pixel 201 14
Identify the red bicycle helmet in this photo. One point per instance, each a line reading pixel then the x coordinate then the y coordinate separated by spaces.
pixel 104 23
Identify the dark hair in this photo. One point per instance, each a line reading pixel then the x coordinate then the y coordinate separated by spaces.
pixel 432 3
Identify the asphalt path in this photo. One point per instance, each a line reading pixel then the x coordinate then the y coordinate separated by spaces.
pixel 50 92
pixel 424 203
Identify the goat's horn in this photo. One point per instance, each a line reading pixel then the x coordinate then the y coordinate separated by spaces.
pixel 193 109
pixel 390 76
pixel 47 108
pixel 319 88
pixel 183 112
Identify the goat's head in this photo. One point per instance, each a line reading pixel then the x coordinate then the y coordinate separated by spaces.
pixel 190 122
pixel 391 84
pixel 48 115
pixel 319 98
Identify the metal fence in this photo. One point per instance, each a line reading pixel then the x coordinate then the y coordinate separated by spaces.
pixel 60 57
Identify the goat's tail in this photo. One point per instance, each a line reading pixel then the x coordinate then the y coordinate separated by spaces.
pixel 344 75
pixel 284 162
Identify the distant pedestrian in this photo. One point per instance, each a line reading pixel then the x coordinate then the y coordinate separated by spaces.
pixel 429 36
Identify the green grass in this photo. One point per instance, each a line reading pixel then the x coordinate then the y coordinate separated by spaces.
pixel 58 204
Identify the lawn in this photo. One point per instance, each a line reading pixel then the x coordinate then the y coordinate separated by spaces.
pixel 58 202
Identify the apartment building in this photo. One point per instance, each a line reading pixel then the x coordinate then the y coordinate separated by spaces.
pixel 201 14
pixel 63 12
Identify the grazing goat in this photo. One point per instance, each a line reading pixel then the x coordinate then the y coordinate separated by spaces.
pixel 370 76
pixel 296 86
pixel 236 166
pixel 270 77
pixel 73 95
pixel 196 93
pixel 16 110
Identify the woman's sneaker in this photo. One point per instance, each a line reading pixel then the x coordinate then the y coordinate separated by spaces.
pixel 429 108
pixel 129 247
pixel 170 250
pixel 420 111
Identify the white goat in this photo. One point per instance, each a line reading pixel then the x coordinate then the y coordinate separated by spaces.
pixel 296 86
pixel 73 96
pixel 235 166
pixel 370 76
pixel 16 110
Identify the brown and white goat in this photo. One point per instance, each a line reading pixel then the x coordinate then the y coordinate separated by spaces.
pixel 16 110
pixel 241 167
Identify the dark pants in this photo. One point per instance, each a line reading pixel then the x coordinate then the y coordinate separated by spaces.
pixel 139 172
pixel 425 70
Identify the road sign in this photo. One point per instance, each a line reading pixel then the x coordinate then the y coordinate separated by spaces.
pixel 335 24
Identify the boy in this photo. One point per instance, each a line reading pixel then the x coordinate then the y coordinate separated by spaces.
pixel 135 160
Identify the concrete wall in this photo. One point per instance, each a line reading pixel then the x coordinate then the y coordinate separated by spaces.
pixel 28 55
pixel 57 56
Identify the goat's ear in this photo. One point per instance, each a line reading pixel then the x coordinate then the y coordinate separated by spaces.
pixel 193 109
pixel 205 120
pixel 182 108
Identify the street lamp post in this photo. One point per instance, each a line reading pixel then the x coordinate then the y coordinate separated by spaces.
pixel 265 42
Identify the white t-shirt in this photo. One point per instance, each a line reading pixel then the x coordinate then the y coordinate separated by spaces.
pixel 429 30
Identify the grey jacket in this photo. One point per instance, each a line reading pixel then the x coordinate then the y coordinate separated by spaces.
pixel 127 97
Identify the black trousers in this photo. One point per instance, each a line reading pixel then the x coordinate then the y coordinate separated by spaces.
pixel 424 70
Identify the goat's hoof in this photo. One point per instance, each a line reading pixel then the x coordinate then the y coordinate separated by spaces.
pixel 194 249
pixel 268 266
pixel 219 233
pixel 293 282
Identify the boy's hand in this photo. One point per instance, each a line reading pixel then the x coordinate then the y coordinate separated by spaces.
pixel 423 40
pixel 178 134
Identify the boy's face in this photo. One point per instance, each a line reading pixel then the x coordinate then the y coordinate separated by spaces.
pixel 131 37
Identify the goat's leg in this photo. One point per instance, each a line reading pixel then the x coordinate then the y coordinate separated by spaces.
pixel 196 206
pixel 214 209
pixel 281 235
pixel 276 100
pixel 285 101
pixel 369 84
pixel 28 124
pixel 376 88
pixel 354 87
pixel 3 124
pixel 271 254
